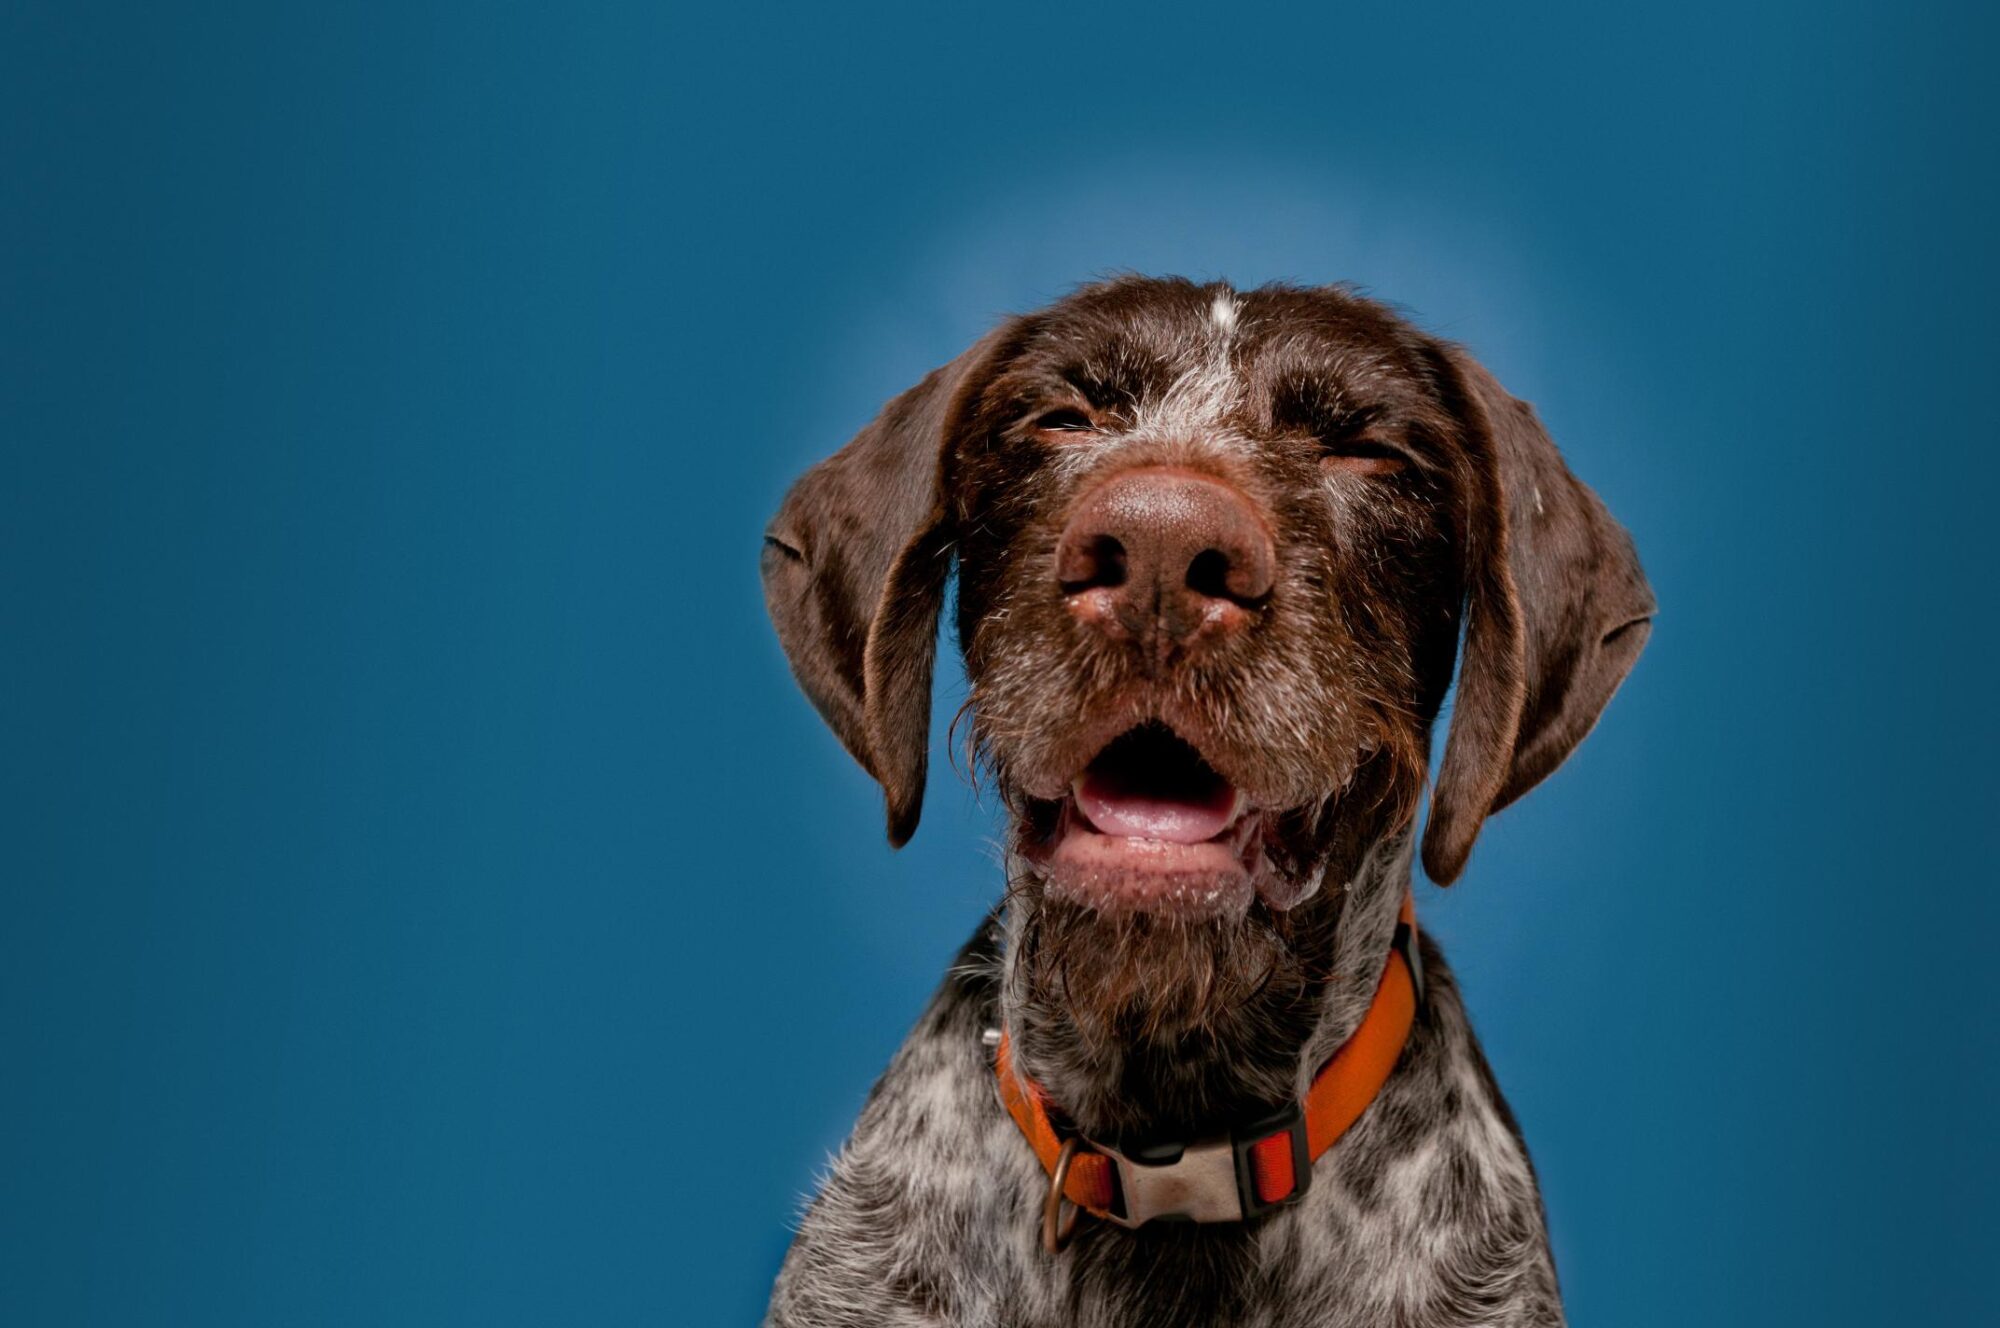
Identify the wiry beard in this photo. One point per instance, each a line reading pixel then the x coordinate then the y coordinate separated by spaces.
pixel 1144 1022
pixel 1142 977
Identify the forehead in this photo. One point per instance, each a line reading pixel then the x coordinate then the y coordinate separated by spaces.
pixel 1134 342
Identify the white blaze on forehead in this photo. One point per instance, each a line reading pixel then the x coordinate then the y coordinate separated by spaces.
pixel 1201 397
pixel 1206 391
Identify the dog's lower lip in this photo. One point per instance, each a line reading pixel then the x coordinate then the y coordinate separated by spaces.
pixel 1119 874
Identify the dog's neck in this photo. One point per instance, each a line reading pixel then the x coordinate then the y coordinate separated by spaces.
pixel 1245 1058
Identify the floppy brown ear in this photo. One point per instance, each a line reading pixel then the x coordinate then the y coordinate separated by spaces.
pixel 1557 612
pixel 855 564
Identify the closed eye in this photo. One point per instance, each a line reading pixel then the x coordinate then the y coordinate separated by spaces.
pixel 1364 456
pixel 1065 420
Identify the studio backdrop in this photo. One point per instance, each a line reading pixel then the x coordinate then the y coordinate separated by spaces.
pixel 425 896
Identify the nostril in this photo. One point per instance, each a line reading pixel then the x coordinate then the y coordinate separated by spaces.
pixel 1208 574
pixel 1092 564
pixel 1244 579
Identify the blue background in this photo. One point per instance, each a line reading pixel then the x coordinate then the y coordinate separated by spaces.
pixel 428 900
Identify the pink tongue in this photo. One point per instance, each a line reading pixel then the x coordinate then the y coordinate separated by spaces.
pixel 1118 810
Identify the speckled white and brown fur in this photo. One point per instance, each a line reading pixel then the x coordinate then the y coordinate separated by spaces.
pixel 1426 1211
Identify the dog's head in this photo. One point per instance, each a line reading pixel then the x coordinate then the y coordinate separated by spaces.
pixel 1215 552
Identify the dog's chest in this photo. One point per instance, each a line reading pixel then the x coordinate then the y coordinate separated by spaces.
pixel 1425 1213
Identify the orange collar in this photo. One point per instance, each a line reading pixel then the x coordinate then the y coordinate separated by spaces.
pixel 1239 1174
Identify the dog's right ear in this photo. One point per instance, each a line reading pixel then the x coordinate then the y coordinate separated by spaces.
pixel 855 564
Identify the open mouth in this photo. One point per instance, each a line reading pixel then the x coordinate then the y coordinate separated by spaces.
pixel 1150 826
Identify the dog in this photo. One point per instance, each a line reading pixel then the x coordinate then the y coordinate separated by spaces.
pixel 1216 554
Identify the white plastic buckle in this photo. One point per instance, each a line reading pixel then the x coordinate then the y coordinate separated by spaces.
pixel 1198 1186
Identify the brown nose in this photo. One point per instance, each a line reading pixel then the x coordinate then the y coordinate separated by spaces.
pixel 1166 549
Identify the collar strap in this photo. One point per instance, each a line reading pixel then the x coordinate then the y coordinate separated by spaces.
pixel 1246 1171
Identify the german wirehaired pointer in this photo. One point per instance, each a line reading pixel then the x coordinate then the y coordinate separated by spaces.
pixel 1216 554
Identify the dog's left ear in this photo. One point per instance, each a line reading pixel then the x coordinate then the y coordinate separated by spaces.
pixel 855 564
pixel 1557 612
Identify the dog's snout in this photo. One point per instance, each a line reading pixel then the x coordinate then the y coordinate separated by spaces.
pixel 1165 550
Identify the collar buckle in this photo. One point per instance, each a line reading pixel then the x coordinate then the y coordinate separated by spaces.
pixel 1215 1179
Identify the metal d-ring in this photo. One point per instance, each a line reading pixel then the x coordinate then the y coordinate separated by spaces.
pixel 1056 1233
